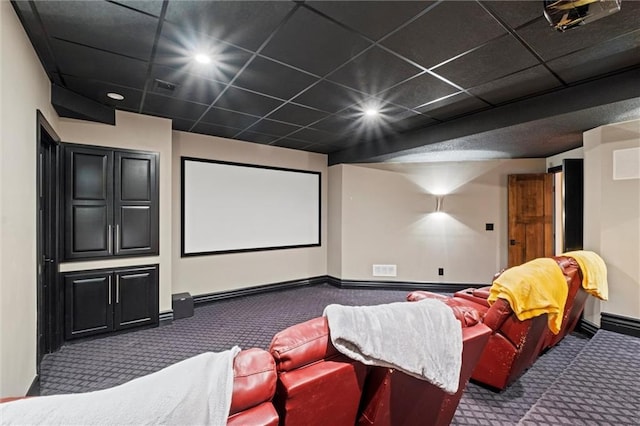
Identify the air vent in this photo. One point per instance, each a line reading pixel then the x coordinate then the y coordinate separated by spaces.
pixel 165 85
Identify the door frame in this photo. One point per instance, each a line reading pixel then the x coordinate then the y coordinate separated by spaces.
pixel 49 335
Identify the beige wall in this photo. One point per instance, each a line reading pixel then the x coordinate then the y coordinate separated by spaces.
pixel 612 219
pixel 133 131
pixel 387 218
pixel 334 243
pixel 24 88
pixel 214 273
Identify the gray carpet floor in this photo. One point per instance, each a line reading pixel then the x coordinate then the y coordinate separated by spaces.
pixel 543 395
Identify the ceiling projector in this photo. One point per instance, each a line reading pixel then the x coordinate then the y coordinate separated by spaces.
pixel 565 14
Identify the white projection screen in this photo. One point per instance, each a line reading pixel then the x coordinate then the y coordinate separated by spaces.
pixel 232 207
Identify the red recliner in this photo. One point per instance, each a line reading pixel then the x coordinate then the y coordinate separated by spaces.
pixel 316 384
pixel 392 398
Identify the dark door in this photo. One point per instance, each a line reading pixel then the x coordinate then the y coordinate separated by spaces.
pixel 135 204
pixel 573 192
pixel 136 297
pixel 89 298
pixel 88 202
pixel 49 305
pixel 530 217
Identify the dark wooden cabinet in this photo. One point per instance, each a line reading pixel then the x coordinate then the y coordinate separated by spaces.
pixel 110 202
pixel 102 301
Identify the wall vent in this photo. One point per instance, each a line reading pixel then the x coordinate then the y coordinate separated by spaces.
pixel 385 270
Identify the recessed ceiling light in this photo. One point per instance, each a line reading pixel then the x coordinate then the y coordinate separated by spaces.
pixel 115 96
pixel 202 58
pixel 371 112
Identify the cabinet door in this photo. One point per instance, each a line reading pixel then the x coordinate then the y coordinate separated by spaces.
pixel 88 202
pixel 136 297
pixel 136 203
pixel 88 303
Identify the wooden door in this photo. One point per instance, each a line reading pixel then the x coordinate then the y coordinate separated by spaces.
pixel 530 217
pixel 88 303
pixel 136 297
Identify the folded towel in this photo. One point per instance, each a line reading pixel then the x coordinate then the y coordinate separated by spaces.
pixel 194 391
pixel 533 288
pixel 422 339
pixel 594 273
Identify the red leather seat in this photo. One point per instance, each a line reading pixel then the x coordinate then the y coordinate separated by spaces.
pixel 254 385
pixel 392 398
pixel 316 384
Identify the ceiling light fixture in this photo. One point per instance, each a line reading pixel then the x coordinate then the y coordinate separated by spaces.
pixel 202 58
pixel 115 96
pixel 371 112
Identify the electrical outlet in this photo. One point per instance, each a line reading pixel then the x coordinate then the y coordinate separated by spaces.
pixel 488 226
pixel 440 271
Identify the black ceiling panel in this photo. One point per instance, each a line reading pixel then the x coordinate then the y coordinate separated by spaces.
pixel 297 115
pixel 447 30
pixel 244 23
pixel 228 118
pixel 99 65
pixel 495 59
pixel 187 86
pixel 551 44
pixel 313 43
pixel 304 72
pixel 169 107
pixel 328 97
pixel 107 26
pixel 98 90
pixel 374 19
pixel 247 102
pixel 605 57
pixel 419 90
pixel 374 71
pixel 274 128
pixel 271 78
pixel 453 106
pixel 527 82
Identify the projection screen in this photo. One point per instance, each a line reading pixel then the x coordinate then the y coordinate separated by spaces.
pixel 233 207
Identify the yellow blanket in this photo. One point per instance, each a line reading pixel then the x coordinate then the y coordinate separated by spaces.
pixel 534 288
pixel 594 273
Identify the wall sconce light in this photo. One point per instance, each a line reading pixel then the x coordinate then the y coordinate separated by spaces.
pixel 439 203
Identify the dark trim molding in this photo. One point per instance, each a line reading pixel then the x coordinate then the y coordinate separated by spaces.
pixel 165 318
pixel 266 288
pixel 401 285
pixel 34 389
pixel 620 324
pixel 587 327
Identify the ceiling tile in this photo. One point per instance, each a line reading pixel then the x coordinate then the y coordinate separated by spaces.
pixel 271 127
pixel 493 60
pixel 215 130
pixel 328 97
pixel 105 26
pixel 419 91
pixel 177 50
pixel 170 107
pixel 533 80
pixel 257 137
pixel 297 115
pixel 99 65
pixel 516 12
pixel 152 7
pixel 38 37
pixel 182 125
pixel 313 43
pixel 606 57
pixel 243 23
pixel 228 118
pixel 188 86
pixel 551 44
pixel 336 125
pixel 273 79
pixel 97 90
pixel 412 122
pixel 247 102
pixel 453 106
pixel 374 71
pixel 312 136
pixel 447 30
pixel 374 19
pixel 292 143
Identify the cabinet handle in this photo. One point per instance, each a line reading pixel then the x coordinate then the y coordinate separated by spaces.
pixel 109 289
pixel 117 288
pixel 118 237
pixel 109 237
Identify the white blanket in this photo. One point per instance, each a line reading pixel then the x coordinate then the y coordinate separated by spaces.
pixel 194 391
pixel 422 339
